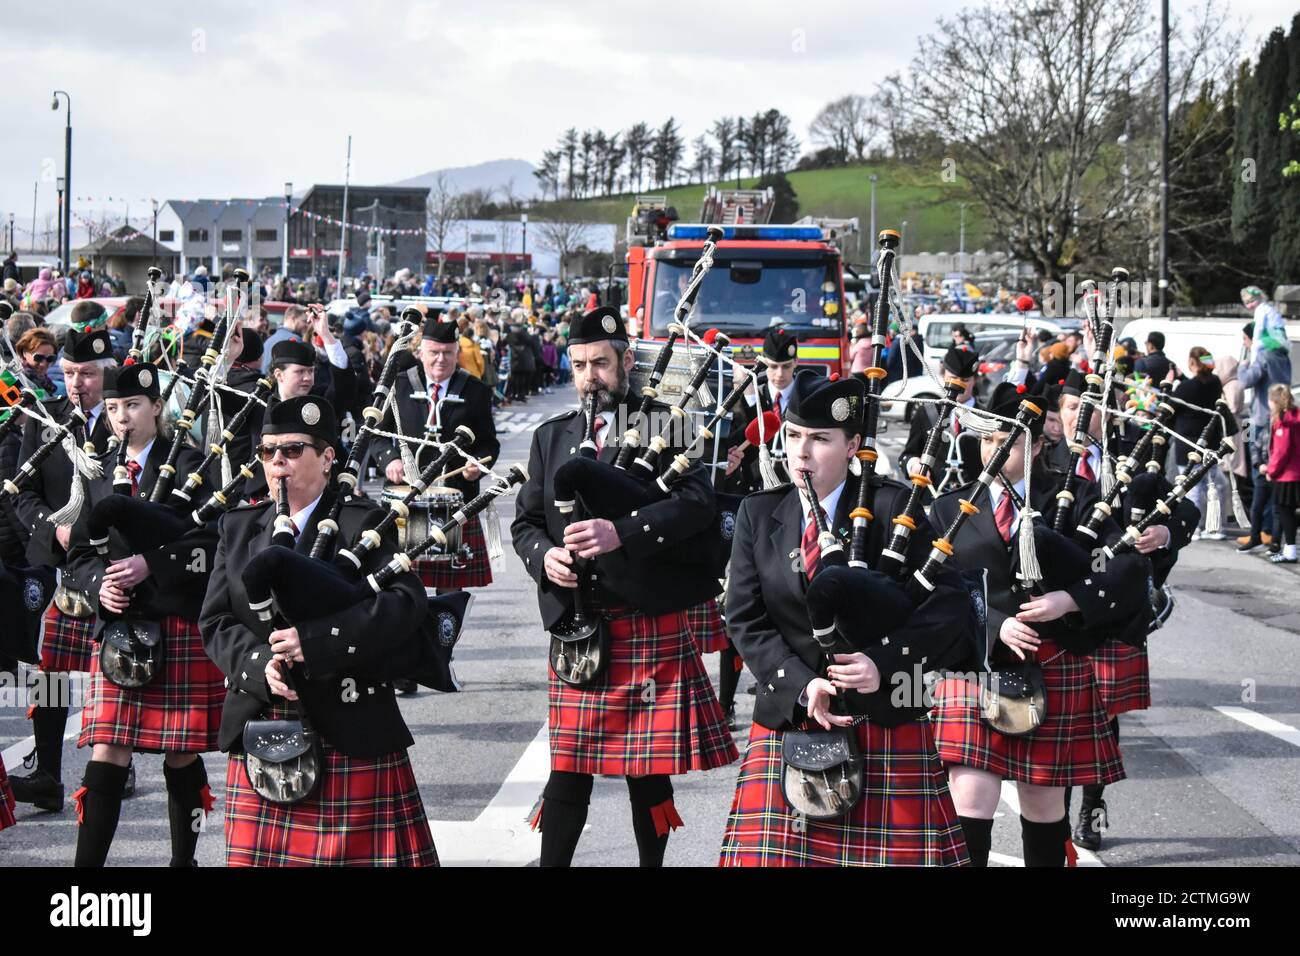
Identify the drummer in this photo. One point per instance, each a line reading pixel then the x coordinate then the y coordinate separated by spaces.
pixel 432 398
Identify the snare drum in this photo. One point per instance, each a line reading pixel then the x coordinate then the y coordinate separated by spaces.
pixel 434 507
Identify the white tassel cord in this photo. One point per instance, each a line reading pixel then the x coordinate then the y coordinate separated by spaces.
pixel 1213 508
pixel 1238 506
pixel 492 535
pixel 83 467
pixel 1030 571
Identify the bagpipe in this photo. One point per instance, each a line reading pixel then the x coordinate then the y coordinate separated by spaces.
pixel 845 583
pixel 1103 327
pixel 287 587
pixel 349 477
pixel 206 378
pixel 142 321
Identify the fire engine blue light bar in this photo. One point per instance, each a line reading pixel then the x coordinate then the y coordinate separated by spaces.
pixel 778 233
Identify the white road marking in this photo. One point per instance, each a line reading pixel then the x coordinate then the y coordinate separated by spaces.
pixel 500 835
pixel 1274 728
pixel 13 755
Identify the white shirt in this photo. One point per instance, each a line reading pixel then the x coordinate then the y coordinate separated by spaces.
pixel 606 420
pixel 996 492
pixel 829 504
pixel 300 518
pixel 434 413
pixel 337 354
pixel 92 418
pixel 141 458
pixel 771 396
pixel 1094 460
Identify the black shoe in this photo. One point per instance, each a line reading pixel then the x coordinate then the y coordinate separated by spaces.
pixel 129 789
pixel 1275 548
pixel 729 714
pixel 1093 821
pixel 1250 545
pixel 752 690
pixel 1281 559
pixel 405 687
pixel 39 788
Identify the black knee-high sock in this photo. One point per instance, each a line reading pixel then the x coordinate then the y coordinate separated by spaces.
pixel 653 816
pixel 1045 842
pixel 99 804
pixel 1114 728
pixel 979 839
pixel 564 811
pixel 728 676
pixel 48 725
pixel 186 788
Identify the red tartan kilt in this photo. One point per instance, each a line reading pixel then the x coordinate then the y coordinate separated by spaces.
pixel 609 728
pixel 904 818
pixel 67 643
pixel 366 812
pixel 1123 677
pixel 6 800
pixel 477 572
pixel 1072 747
pixel 179 711
pixel 707 628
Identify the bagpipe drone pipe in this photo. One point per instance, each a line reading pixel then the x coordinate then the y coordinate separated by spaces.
pixel 849 602
pixel 287 587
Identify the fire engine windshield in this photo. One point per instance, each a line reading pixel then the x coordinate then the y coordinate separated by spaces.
pixel 745 297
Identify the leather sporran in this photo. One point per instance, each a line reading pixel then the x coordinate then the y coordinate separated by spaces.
pixel 821 771
pixel 1013 700
pixel 283 759
pixel 130 652
pixel 579 657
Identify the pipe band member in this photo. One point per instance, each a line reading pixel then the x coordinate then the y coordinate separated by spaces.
pixel 367 809
pixel 652 713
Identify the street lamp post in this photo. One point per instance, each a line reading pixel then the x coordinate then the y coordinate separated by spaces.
pixel 58 252
pixel 12 247
pixel 288 208
pixel 1164 153
pixel 67 176
pixel 523 253
pixel 961 240
pixel 155 230
pixel 873 178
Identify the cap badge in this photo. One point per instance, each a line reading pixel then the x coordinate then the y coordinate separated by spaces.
pixel 310 413
pixel 97 345
pixel 145 378
pixel 840 409
pixel 608 324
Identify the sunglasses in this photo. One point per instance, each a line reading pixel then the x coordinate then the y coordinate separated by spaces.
pixel 42 359
pixel 292 450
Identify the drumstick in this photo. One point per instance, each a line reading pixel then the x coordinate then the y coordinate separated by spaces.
pixel 482 464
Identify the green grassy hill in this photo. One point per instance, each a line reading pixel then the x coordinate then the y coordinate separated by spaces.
pixel 903 192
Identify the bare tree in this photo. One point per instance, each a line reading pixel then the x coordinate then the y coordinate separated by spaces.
pixel 562 237
pixel 723 132
pixel 704 157
pixel 1025 118
pixel 844 125
pixel 441 209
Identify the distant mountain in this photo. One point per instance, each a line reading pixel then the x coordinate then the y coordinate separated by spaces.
pixel 494 175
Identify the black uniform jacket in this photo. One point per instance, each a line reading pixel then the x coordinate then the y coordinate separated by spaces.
pixel 177 572
pixel 645 572
pixel 767 617
pixel 968 445
pixel 348 657
pixel 1106 598
pixel 47 491
pixel 467 402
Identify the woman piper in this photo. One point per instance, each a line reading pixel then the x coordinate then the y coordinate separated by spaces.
pixel 178 711
pixel 1073 745
pixel 366 809
pixel 904 815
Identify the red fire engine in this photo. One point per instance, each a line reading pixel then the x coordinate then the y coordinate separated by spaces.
pixel 763 275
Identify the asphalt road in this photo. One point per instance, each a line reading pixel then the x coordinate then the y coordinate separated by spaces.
pixel 1211 767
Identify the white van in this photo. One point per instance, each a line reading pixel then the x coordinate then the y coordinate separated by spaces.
pixel 1222 336
pixel 936 330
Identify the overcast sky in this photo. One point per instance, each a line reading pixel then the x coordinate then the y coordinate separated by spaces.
pixel 233 97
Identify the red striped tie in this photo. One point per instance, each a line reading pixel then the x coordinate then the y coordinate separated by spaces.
pixel 133 467
pixel 812 551
pixel 1085 469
